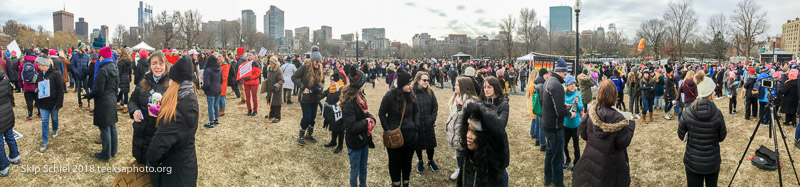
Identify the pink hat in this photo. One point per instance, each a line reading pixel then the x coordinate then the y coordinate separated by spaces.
pixel 777 75
pixel 731 74
pixel 13 53
pixel 53 52
pixel 105 52
pixel 143 53
pixel 793 74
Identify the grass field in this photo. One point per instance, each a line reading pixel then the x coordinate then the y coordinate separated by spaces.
pixel 240 152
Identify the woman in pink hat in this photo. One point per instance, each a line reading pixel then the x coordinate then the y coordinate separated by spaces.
pixel 790 97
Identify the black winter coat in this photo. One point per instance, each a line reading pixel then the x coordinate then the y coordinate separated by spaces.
pixel 6 111
pixel 605 160
pixel 142 67
pixel 12 66
pixel 124 68
pixel 300 79
pixel 702 126
pixel 105 95
pixel 647 88
pixel 389 114
pixel 500 107
pixel 173 144
pixel 212 81
pixel 355 124
pixel 669 90
pixel 748 85
pixel 143 131
pixel 428 108
pixel 553 108
pixel 232 73
pixel 56 99
pixel 790 97
pixel 478 170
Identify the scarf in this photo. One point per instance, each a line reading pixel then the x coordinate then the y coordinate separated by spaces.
pixel 157 78
pixel 97 67
pixel 362 103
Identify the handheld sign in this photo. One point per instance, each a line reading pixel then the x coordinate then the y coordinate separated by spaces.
pixel 245 69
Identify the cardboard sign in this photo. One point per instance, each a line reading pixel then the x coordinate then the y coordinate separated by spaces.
pixel 131 179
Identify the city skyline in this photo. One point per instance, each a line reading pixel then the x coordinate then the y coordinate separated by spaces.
pixel 402 20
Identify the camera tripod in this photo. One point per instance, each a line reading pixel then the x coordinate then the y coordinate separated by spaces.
pixel 772 124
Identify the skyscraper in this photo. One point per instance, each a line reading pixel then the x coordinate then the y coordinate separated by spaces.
pixel 348 37
pixel 370 34
pixel 301 33
pixel 62 21
pixel 145 12
pixel 561 18
pixel 104 31
pixel 326 33
pixel 273 22
pixel 249 20
pixel 81 29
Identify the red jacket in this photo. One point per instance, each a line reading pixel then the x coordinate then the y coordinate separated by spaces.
pixel 254 75
pixel 225 68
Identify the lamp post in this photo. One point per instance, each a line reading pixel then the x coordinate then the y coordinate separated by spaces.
pixel 578 6
pixel 48 43
pixel 357 47
pixel 774 57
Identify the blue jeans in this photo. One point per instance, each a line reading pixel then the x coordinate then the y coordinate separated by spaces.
pixel 309 114
pixel 647 105
pixel 109 136
pixel 554 158
pixel 667 106
pixel 358 165
pixel 536 129
pixel 46 116
pixel 82 84
pixel 658 102
pixel 679 110
pixel 221 102
pixel 762 106
pixel 8 136
pixel 213 111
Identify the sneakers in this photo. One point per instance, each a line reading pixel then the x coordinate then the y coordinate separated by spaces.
pixel 55 134
pixel 209 126
pixel 249 112
pixel 796 144
pixel 30 119
pixel 454 176
pixel 4 172
pixel 43 148
pixel 433 166
pixel 638 117
pixel 276 120
pixel 216 122
pixel 15 160
pixel 420 167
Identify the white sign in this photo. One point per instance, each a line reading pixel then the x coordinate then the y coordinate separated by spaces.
pixel 263 52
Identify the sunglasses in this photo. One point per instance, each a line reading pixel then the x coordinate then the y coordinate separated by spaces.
pixel 425 80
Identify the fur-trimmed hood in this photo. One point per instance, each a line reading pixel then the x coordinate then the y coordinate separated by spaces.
pixel 583 77
pixel 610 121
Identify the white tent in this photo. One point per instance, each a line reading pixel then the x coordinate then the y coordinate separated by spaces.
pixel 143 46
pixel 528 57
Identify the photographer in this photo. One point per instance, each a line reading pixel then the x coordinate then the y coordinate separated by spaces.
pixel 763 100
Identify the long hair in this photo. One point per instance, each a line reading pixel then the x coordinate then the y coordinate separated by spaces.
pixel 125 56
pixel 530 85
pixel 145 86
pixel 689 75
pixel 495 83
pixel 313 74
pixel 483 154
pixel 348 93
pixel 419 78
pixel 465 89
pixel 403 97
pixel 169 103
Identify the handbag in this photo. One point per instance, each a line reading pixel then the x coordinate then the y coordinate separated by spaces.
pixel 394 138
pixel 765 159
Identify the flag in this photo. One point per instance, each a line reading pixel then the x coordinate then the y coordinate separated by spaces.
pixel 245 69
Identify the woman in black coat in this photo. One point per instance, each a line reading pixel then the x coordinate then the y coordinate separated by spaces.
pixel 483 140
pixel 144 126
pixel 396 104
pixel 309 80
pixel 173 144
pixel 212 80
pixel 607 134
pixel 428 109
pixel 359 124
pixel 702 127
pixel 124 66
pixel 142 67
pixel 790 96
pixel 104 93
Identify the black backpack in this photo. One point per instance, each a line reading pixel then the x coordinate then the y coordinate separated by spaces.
pixel 765 159
pixel 29 73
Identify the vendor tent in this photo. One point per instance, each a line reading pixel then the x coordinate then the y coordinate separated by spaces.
pixel 528 57
pixel 143 46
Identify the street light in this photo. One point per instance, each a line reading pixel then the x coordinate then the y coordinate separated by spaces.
pixel 774 57
pixel 48 43
pixel 578 6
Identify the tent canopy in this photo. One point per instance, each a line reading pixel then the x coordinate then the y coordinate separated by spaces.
pixel 528 57
pixel 460 54
pixel 143 46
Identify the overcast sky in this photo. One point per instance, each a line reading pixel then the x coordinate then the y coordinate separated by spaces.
pixel 401 18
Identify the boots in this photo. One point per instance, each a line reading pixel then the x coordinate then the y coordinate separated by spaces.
pixel 119 107
pixel 644 120
pixel 222 112
pixel 333 141
pixel 341 143
pixel 310 135
pixel 125 109
pixel 650 116
pixel 300 138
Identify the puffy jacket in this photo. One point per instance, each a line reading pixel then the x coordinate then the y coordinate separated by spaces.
pixel 669 90
pixel 142 67
pixel 355 123
pixel 143 131
pixel 702 127
pixel 288 70
pixel 619 82
pixel 605 159
pixel 173 144
pixel 124 68
pixel 586 84
pixel 748 85
pixel 11 69
pixel 553 108
pixel 492 174
pixel 569 98
pixel 390 114
pixel 453 128
pixel 6 111
pixel 212 81
pixel 647 88
pixel 764 98
pixel 80 64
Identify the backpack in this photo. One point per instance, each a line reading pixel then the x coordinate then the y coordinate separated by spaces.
pixel 536 102
pixel 29 73
pixel 765 159
pixel 757 91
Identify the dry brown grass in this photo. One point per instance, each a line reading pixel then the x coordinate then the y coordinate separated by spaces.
pixel 241 153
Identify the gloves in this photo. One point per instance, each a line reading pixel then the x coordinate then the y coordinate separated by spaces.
pixel 87 96
pixel 275 89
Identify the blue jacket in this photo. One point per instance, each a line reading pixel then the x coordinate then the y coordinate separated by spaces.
pixel 569 98
pixel 619 82
pixel 79 64
pixel 758 81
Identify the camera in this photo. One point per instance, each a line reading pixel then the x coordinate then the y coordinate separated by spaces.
pixel 768 83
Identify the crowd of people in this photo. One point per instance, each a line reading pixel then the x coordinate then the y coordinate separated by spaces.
pixel 563 106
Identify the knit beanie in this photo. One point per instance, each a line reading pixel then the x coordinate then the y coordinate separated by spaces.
pixel 403 78
pixel 105 52
pixel 356 77
pixel 569 80
pixel 542 72
pixel 561 66
pixel 315 56
pixel 99 42
pixel 43 61
pixel 182 70
pixel 705 87
pixel 469 71
pixel 53 52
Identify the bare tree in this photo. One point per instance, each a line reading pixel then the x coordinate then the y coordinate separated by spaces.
pixel 508 25
pixel 680 20
pixel 749 21
pixel 654 34
pixel 527 29
pixel 615 43
pixel 168 26
pixel 119 35
pixel 190 26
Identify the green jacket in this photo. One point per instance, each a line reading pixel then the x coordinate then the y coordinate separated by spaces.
pixel 585 84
